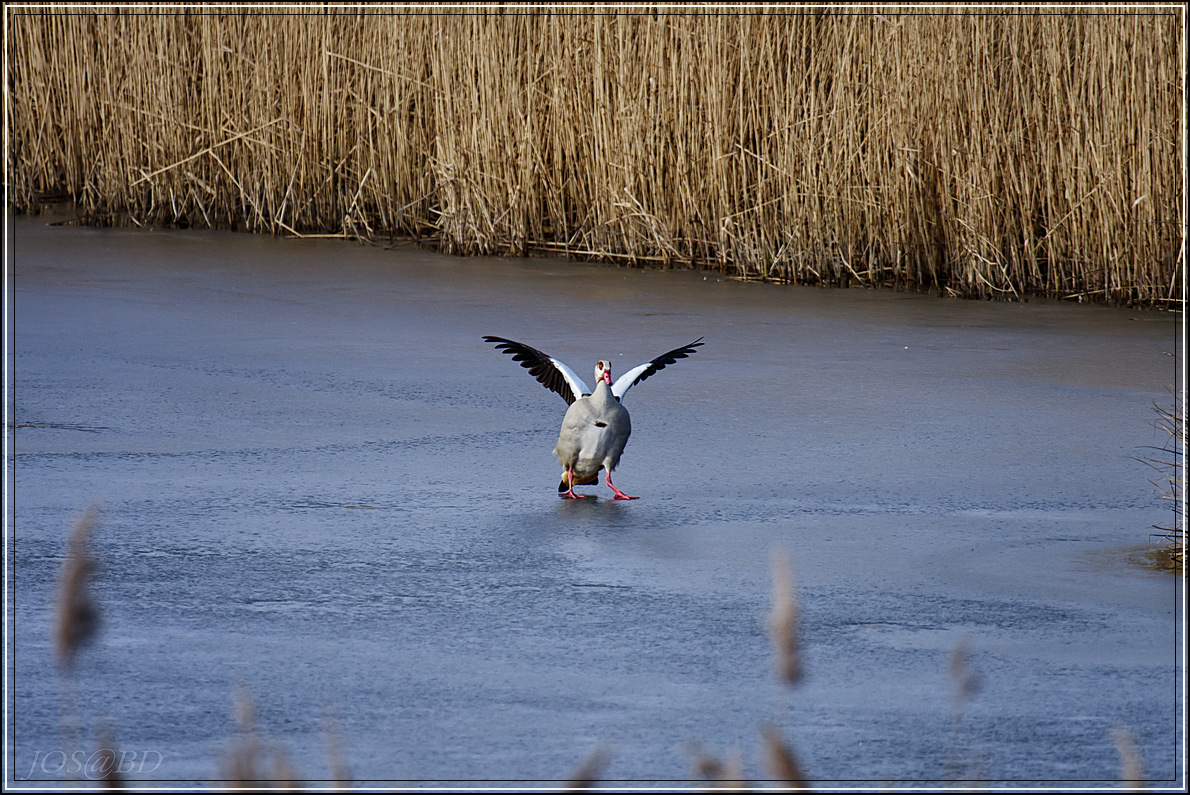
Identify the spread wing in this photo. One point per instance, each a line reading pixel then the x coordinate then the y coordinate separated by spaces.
pixel 553 374
pixel 643 371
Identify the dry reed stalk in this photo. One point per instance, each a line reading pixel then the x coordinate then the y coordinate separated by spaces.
pixel 76 615
pixel 589 771
pixel 76 619
pixel 1170 461
pixel 965 683
pixel 780 760
pixel 1132 774
pixel 252 763
pixel 727 773
pixel 106 761
pixel 783 622
pixel 979 154
pixel 964 680
pixel 335 753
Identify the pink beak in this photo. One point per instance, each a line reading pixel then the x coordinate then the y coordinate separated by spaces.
pixel 607 377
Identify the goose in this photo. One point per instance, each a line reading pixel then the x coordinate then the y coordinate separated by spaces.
pixel 596 426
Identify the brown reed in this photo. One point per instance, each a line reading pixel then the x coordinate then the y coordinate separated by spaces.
pixel 780 760
pixel 726 773
pixel 336 754
pixel 1169 460
pixel 1132 774
pixel 107 761
pixel 252 762
pixel 783 622
pixel 588 772
pixel 981 154
pixel 76 615
pixel 964 680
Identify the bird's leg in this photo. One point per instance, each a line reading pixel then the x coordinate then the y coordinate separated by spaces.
pixel 619 494
pixel 570 495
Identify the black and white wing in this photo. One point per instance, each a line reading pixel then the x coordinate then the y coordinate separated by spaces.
pixel 553 374
pixel 643 371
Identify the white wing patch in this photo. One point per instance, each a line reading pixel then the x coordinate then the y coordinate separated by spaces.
pixel 643 371
pixel 628 379
pixel 578 387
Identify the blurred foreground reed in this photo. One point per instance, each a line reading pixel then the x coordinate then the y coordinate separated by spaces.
pixel 972 153
pixel 253 762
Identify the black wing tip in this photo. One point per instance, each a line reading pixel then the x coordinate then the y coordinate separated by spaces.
pixel 501 342
pixel 527 355
pixel 685 350
pixel 538 363
pixel 670 357
pixel 518 350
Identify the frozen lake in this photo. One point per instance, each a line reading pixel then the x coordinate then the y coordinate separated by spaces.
pixel 320 487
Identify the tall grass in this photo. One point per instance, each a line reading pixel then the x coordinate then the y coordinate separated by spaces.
pixel 978 153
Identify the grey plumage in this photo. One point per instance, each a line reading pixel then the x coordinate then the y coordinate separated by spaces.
pixel 596 426
pixel 594 432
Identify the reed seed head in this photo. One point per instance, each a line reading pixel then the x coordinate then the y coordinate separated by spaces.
pixel 589 771
pixel 251 762
pixel 780 760
pixel 77 616
pixel 963 678
pixel 1132 774
pixel 107 763
pixel 783 621
pixel 726 773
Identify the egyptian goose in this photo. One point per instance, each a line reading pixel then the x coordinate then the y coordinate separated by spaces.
pixel 596 426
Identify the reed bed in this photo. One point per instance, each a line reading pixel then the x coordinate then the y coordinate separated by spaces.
pixel 1169 459
pixel 979 154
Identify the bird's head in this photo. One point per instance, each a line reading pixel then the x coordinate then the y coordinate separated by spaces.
pixel 603 372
